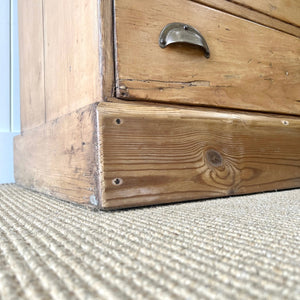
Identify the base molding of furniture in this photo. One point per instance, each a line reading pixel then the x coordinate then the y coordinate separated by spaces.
pixel 114 155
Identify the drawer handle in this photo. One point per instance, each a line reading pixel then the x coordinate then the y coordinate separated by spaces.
pixel 182 33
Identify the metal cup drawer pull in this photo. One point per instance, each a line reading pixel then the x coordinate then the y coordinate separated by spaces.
pixel 182 33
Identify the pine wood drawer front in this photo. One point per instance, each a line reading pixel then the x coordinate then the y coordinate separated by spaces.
pixel 286 10
pixel 251 67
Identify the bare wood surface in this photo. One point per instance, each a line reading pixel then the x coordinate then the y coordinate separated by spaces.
pixel 72 66
pixel 251 67
pixel 66 50
pixel 287 10
pixel 59 158
pixel 158 154
pixel 31 63
pixel 106 21
pixel 259 17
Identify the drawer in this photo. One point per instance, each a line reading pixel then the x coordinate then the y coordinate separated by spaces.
pixel 286 10
pixel 251 67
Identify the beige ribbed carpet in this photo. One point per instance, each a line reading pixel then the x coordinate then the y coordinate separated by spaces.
pixel 233 248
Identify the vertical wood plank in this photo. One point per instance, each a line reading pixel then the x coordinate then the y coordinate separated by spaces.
pixel 106 45
pixel 31 63
pixel 72 65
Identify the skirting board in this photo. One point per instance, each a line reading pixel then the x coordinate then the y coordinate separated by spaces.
pixel 118 155
pixel 58 158
pixel 6 157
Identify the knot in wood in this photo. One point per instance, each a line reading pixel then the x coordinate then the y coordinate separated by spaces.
pixel 214 158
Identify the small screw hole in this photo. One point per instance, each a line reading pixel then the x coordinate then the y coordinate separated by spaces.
pixel 118 121
pixel 117 181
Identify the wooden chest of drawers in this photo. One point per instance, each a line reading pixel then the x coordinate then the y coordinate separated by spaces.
pixel 120 110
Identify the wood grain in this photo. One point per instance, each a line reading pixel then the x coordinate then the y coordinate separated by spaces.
pixel 251 67
pixel 286 10
pixel 59 158
pixel 159 154
pixel 66 50
pixel 31 63
pixel 106 21
pixel 72 66
pixel 258 17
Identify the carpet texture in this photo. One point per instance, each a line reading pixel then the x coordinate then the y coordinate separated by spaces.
pixel 233 248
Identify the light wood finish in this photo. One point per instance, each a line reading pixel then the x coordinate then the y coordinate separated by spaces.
pixel 59 158
pixel 66 51
pixel 124 154
pixel 133 154
pixel 72 67
pixel 106 49
pixel 287 10
pixel 158 154
pixel 251 67
pixel 31 63
pixel 253 15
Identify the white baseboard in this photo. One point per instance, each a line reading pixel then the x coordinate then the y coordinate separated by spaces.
pixel 6 157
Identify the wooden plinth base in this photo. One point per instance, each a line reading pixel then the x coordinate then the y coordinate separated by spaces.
pixel 117 155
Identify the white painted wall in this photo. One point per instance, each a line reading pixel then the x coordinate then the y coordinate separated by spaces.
pixel 9 87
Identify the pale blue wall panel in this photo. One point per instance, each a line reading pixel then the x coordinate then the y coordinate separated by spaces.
pixel 4 11
pixel 9 89
pixel 4 65
pixel 15 69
